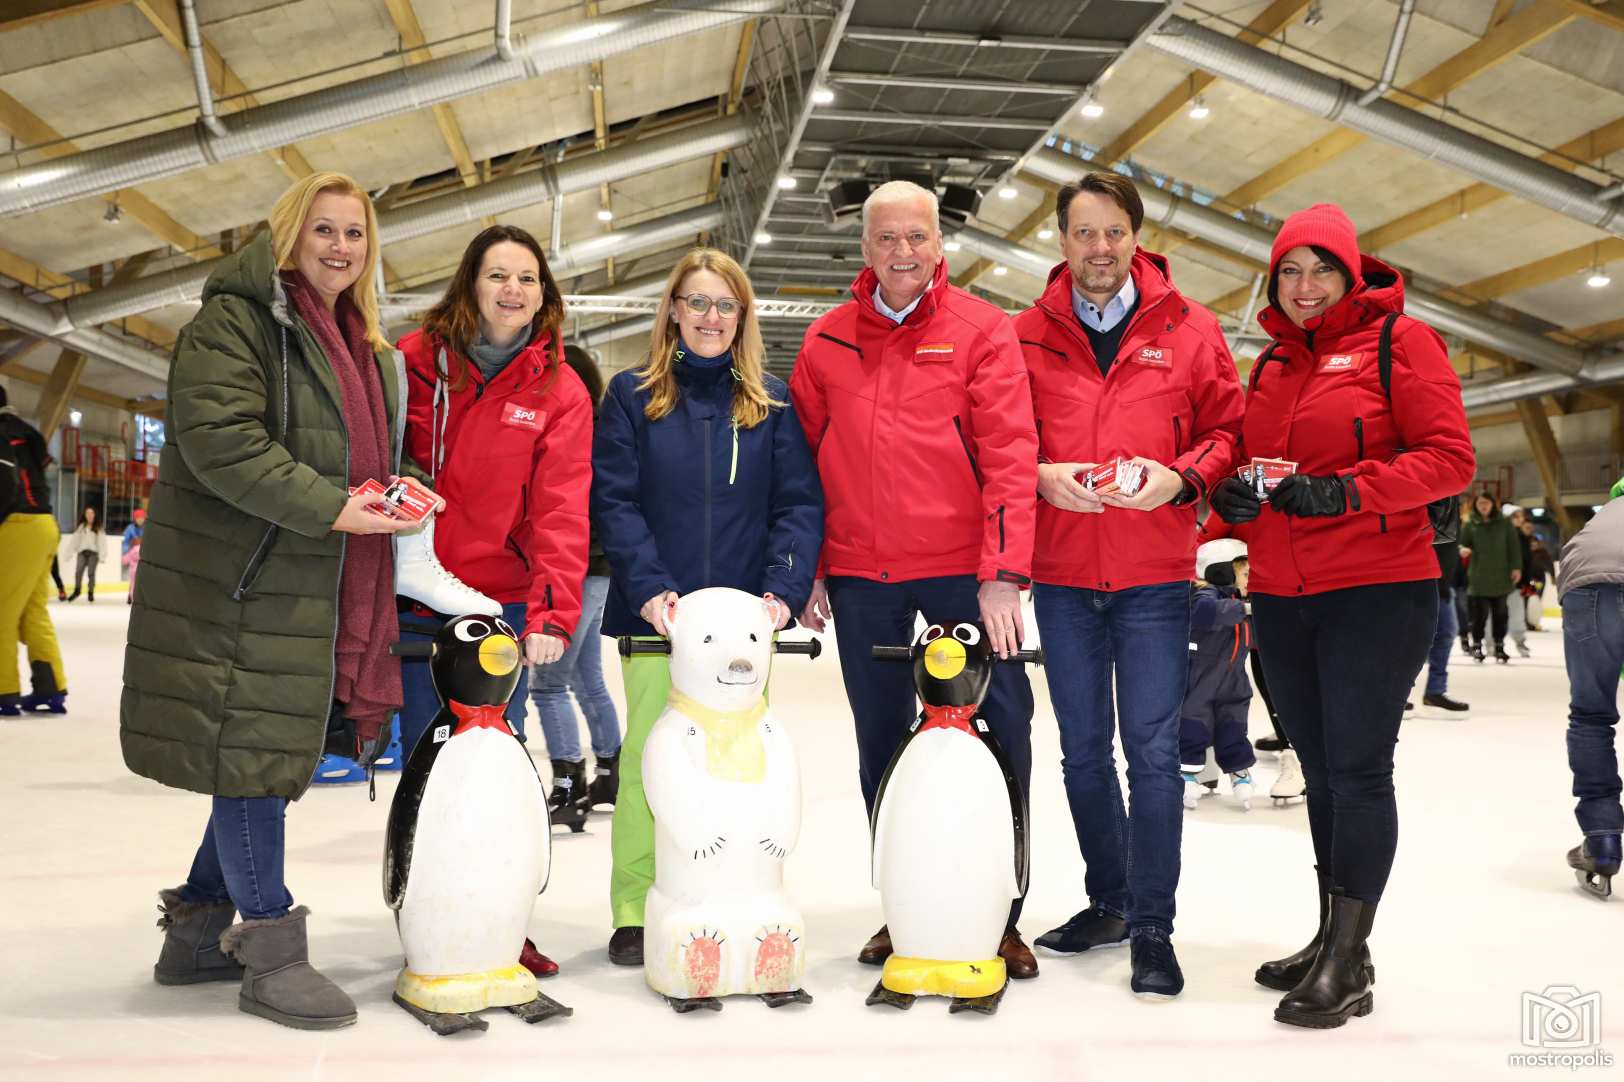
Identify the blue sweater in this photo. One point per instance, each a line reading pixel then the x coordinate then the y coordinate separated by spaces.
pixel 689 501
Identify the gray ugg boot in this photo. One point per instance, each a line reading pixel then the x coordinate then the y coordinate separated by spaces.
pixel 280 983
pixel 191 952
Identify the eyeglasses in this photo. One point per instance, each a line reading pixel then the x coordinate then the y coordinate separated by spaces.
pixel 699 304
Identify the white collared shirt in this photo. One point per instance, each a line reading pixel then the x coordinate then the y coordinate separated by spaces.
pixel 894 316
pixel 1103 319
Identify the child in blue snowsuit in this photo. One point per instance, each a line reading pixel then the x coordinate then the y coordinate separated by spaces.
pixel 1218 694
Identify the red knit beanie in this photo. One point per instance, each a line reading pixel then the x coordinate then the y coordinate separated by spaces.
pixel 1324 225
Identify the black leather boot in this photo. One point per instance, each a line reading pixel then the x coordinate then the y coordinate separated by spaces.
pixel 1284 974
pixel 1336 987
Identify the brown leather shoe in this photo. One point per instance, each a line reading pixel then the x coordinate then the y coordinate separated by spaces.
pixel 877 949
pixel 1017 956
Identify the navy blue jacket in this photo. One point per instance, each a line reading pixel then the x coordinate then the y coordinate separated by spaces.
pixel 1220 636
pixel 689 501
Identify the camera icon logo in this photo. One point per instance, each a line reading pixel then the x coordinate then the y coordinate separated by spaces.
pixel 1561 1017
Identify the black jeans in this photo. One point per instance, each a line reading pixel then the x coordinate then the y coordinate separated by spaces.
pixel 1482 609
pixel 1341 665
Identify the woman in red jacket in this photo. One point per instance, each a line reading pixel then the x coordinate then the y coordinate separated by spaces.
pixel 501 429
pixel 1344 596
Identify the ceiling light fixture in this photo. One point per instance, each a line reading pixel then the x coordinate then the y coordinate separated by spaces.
pixel 111 215
pixel 1199 110
pixel 764 238
pixel 1315 15
pixel 823 96
pixel 1045 234
pixel 1007 192
pixel 1091 106
pixel 786 183
pixel 1000 271
pixel 606 215
pixel 953 246
pixel 1599 278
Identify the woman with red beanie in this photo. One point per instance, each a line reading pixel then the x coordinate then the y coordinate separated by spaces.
pixel 1343 587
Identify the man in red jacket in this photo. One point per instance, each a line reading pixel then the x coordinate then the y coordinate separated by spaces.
pixel 914 401
pixel 1122 368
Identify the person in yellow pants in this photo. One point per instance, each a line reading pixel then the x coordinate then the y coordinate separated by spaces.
pixel 631 841
pixel 25 591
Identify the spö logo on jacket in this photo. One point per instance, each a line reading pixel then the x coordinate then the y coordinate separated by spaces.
pixel 1342 362
pixel 520 417
pixel 1156 356
pixel 934 347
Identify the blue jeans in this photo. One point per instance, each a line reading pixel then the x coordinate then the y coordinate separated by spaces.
pixel 580 670
pixel 1593 640
pixel 422 702
pixel 241 858
pixel 1131 854
pixel 1443 641
pixel 881 693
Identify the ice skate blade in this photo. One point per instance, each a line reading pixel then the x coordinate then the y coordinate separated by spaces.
pixel 784 999
pixel 881 994
pixel 1286 801
pixel 698 1003
pixel 1594 884
pixel 979 1004
pixel 540 1009
pixel 1307 1020
pixel 443 1024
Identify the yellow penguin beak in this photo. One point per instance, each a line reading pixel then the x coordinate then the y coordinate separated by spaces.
pixel 944 658
pixel 498 654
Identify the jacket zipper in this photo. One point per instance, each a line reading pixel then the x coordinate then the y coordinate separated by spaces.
pixel 733 467
pixel 958 426
pixel 1359 437
pixel 1000 527
pixel 1178 435
pixel 707 579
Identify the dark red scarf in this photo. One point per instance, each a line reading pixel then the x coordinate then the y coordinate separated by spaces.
pixel 367 680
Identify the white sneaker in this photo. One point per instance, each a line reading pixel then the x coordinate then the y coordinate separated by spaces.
pixel 1289 785
pixel 1193 790
pixel 1240 785
pixel 420 576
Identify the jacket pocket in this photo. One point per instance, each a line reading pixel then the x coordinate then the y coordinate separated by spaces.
pixel 958 426
pixel 256 563
pixel 1178 436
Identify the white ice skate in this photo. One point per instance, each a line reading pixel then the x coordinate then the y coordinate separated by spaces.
pixel 1240 786
pixel 1193 789
pixel 420 576
pixel 1289 785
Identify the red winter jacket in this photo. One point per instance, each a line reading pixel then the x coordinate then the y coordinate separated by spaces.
pixel 1316 399
pixel 922 432
pixel 1171 395
pixel 515 468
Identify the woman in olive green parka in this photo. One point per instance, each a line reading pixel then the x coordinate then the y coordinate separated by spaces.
pixel 280 381
pixel 1491 541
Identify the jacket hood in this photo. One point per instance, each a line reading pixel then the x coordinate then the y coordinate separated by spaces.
pixel 251 272
pixel 1381 291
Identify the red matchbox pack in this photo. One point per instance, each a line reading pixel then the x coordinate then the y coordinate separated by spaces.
pixel 404 499
pixel 1265 474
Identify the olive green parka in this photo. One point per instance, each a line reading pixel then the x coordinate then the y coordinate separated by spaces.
pixel 1496 552
pixel 228 672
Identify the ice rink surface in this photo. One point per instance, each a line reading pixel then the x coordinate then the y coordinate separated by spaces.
pixel 1481 909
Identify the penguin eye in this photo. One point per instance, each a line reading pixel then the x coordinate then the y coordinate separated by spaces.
pixel 968 634
pixel 471 630
pixel 707 638
pixel 932 633
pixel 505 628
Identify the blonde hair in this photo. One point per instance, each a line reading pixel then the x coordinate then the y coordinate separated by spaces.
pixel 287 222
pixel 751 401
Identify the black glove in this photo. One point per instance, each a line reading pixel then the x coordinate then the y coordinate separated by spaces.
pixel 1234 501
pixel 1307 496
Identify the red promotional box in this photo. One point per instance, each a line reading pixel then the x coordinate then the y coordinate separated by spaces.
pixel 403 499
pixel 1128 475
pixel 1265 474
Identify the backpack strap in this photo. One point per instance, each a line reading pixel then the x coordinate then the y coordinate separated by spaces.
pixel 1384 355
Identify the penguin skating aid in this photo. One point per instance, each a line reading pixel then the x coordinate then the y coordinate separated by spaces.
pixel 468 845
pixel 949 831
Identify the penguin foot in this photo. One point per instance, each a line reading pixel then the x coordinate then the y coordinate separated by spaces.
pixel 980 1004
pixel 444 1024
pixel 683 1006
pixel 540 1009
pixel 881 994
pixel 779 999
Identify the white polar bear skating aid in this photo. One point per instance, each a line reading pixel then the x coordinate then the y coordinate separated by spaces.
pixel 725 789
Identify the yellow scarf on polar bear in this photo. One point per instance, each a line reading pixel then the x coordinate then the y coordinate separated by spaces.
pixel 733 747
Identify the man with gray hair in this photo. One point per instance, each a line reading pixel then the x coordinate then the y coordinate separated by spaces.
pixel 914 399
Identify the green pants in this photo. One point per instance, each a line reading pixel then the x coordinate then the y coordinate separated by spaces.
pixel 631 838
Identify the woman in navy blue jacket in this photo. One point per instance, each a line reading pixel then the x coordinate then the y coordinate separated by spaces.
pixel 701 477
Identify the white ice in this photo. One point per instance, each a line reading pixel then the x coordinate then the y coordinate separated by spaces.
pixel 1480 910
